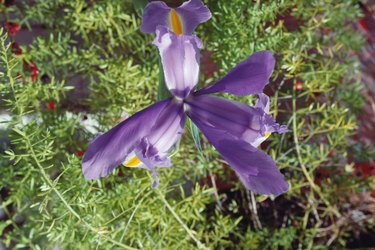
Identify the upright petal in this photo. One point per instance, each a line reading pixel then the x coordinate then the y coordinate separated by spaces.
pixel 257 171
pixel 110 149
pixel 181 20
pixel 248 77
pixel 180 58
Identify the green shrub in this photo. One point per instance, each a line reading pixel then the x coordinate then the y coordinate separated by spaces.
pixel 97 46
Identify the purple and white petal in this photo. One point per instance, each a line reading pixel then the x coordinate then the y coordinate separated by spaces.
pixel 155 14
pixel 180 58
pixel 257 171
pixel 263 103
pixel 154 148
pixel 168 128
pixel 239 120
pixel 248 77
pixel 110 149
pixel 163 136
pixel 193 13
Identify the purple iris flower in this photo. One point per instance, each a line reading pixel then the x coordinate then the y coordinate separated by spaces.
pixel 181 20
pixel 146 139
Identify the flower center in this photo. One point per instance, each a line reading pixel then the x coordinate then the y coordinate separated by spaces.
pixel 176 24
pixel 133 162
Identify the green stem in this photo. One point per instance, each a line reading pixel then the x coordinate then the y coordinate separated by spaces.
pixel 187 229
pixel 303 166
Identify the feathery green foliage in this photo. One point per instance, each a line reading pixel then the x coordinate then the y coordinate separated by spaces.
pixel 102 69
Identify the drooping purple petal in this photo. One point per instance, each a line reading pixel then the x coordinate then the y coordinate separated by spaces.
pixel 110 149
pixel 241 121
pixel 242 157
pixel 190 14
pixel 149 134
pixel 248 77
pixel 193 13
pixel 224 114
pixel 257 171
pixel 180 58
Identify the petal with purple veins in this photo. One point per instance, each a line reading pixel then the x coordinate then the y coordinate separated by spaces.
pixel 143 140
pixel 244 159
pixel 257 171
pixel 153 150
pixel 180 59
pixel 250 124
pixel 248 77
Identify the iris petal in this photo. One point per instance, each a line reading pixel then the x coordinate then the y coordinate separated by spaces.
pixel 155 147
pixel 180 58
pixel 141 141
pixel 257 171
pixel 190 14
pixel 193 13
pixel 155 14
pixel 248 77
pixel 110 149
pixel 241 121
pixel 238 119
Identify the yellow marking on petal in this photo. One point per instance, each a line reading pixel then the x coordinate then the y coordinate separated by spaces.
pixel 176 24
pixel 267 134
pixel 133 162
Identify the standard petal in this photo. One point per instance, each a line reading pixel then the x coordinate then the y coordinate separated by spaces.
pixel 181 20
pixel 155 14
pixel 109 150
pixel 257 171
pixel 180 58
pixel 193 13
pixel 248 77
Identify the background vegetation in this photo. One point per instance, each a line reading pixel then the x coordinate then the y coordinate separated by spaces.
pixel 82 66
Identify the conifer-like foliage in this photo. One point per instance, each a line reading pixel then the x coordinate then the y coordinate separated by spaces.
pixel 95 68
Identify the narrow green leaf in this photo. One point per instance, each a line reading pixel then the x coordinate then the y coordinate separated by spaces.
pixel 195 134
pixel 19 132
